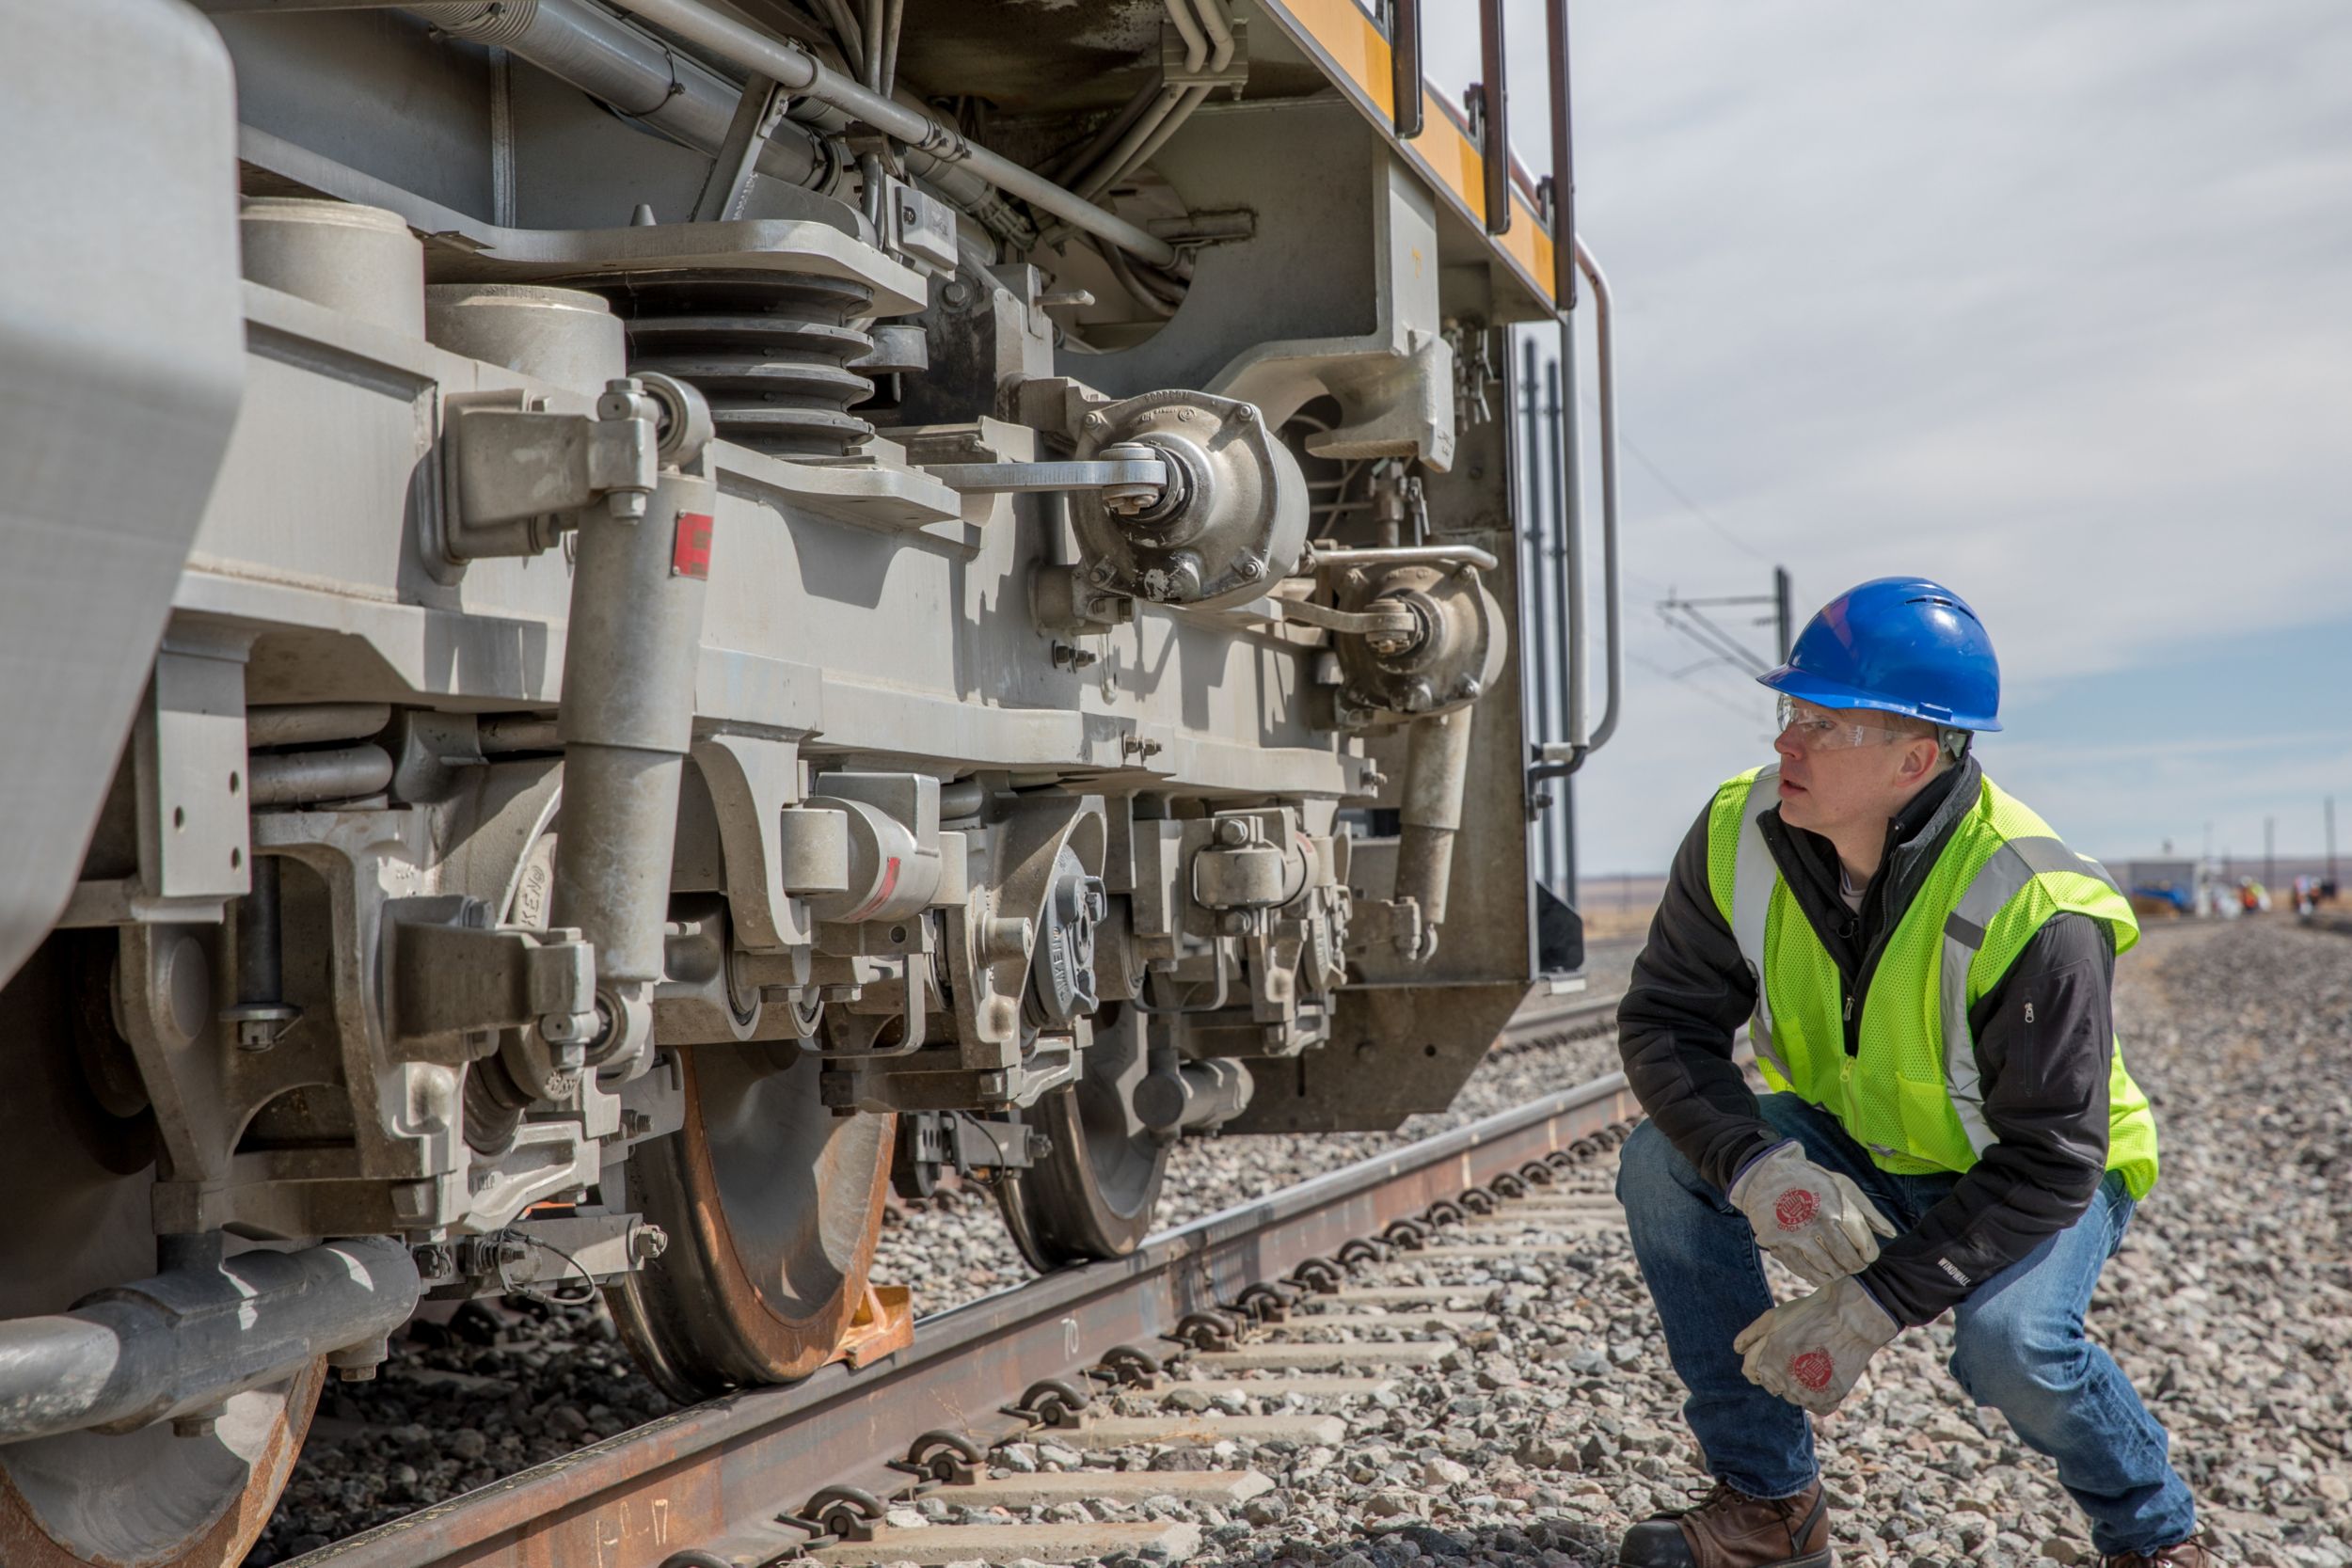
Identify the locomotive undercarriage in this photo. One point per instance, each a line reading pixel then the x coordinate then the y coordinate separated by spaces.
pixel 664 728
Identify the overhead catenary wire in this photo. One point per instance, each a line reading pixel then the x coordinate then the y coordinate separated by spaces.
pixel 1688 502
pixel 1693 622
pixel 1684 676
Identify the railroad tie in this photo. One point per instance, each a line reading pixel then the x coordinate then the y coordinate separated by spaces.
pixel 1077 1541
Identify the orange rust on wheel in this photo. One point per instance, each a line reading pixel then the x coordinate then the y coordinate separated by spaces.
pixel 791 1347
pixel 24 1544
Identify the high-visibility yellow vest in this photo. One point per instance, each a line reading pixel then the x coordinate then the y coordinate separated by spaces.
pixel 1910 1095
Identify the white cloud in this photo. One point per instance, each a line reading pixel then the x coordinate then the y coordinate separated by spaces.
pixel 2048 301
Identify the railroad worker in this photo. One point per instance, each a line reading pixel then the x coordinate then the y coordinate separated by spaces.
pixel 1925 972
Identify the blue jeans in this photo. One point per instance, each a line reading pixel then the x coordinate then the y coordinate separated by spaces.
pixel 2018 1340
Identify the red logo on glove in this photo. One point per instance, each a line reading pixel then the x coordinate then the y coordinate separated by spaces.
pixel 1796 1209
pixel 1812 1368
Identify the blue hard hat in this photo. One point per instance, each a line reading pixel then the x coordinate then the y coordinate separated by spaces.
pixel 1899 645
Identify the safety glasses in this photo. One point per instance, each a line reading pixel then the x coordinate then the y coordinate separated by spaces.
pixel 1822 729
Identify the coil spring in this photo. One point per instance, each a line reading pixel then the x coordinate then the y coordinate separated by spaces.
pixel 770 351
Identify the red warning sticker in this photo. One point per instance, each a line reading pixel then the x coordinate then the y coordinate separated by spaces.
pixel 690 555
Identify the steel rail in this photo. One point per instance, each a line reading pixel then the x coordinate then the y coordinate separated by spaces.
pixel 732 1472
pixel 1540 1023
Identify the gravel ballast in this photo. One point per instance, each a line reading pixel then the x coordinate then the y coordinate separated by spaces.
pixel 1555 1421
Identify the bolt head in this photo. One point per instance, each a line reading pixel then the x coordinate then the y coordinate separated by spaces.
pixel 1245 414
pixel 1250 567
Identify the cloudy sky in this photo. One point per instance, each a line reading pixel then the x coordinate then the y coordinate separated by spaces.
pixel 2051 302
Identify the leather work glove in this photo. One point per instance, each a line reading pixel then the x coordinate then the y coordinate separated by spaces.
pixel 1816 1221
pixel 1809 1351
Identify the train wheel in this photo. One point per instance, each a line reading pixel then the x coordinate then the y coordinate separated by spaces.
pixel 77 1153
pixel 1091 1195
pixel 772 1206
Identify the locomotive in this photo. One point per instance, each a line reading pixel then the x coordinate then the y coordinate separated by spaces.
pixel 625 621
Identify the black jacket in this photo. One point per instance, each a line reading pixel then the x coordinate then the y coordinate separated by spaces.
pixel 2043 1038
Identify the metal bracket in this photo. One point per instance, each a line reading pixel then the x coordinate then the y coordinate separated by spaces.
pixel 967 1142
pixel 920 227
pixel 191 784
pixel 1393 621
pixel 751 779
pixel 1064 603
pixel 571 1250
pixel 1125 469
pixel 512 473
pixel 1233 76
pixel 758 113
pixel 451 979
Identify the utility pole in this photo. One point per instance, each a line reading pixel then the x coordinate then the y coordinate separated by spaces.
pixel 1782 614
pixel 2270 865
pixel 1689 618
pixel 2330 805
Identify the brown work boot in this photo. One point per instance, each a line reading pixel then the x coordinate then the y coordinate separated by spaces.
pixel 1730 1530
pixel 2192 1553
